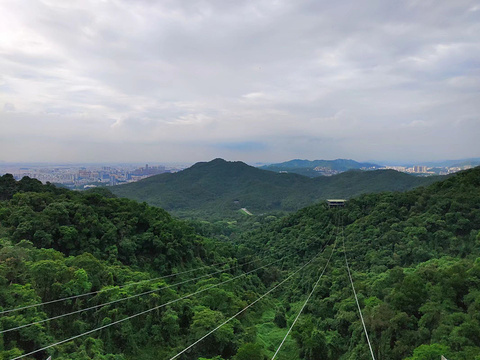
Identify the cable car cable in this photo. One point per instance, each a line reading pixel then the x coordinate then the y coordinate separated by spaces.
pixel 143 312
pixel 251 304
pixel 305 303
pixel 356 298
pixel 117 287
pixel 114 301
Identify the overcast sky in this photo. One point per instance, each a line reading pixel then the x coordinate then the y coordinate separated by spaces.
pixel 153 80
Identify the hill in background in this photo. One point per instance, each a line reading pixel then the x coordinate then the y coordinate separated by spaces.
pixel 454 163
pixel 220 188
pixel 318 167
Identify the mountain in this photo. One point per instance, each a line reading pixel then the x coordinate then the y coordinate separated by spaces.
pixel 220 188
pixel 318 167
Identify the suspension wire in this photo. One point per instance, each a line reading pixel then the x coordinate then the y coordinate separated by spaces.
pixel 117 287
pixel 252 303
pixel 2 312
pixel 305 303
pixel 115 301
pixel 122 299
pixel 355 293
pixel 144 312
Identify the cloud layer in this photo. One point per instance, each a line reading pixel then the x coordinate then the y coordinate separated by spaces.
pixel 119 80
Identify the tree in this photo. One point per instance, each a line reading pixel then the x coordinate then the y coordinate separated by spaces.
pixel 279 318
pixel 249 351
pixel 429 352
pixel 221 340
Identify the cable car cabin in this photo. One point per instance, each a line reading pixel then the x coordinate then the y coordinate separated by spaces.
pixel 334 203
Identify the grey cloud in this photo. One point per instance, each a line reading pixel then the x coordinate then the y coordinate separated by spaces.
pixel 363 75
pixel 8 107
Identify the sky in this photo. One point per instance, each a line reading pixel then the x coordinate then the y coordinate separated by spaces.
pixel 260 80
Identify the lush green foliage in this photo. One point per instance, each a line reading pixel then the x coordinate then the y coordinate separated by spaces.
pixel 416 264
pixel 74 223
pixel 58 243
pixel 28 274
pixel 218 189
pixel 415 260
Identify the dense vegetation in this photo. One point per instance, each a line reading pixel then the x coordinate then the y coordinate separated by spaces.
pixel 416 263
pixel 306 167
pixel 415 258
pixel 57 243
pixel 218 189
pixel 74 223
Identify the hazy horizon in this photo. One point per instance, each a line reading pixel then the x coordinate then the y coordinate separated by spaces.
pixel 265 81
pixel 252 163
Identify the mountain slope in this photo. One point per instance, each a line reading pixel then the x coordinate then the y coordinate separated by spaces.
pixel 94 251
pixel 415 261
pixel 220 188
pixel 214 187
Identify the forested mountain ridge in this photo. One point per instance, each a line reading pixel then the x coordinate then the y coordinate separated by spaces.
pixel 307 167
pixel 73 223
pixel 415 258
pixel 218 189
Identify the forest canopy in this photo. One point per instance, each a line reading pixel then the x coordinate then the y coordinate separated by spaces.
pixel 414 256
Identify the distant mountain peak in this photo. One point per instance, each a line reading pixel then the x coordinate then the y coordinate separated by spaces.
pixel 216 161
pixel 219 162
pixel 313 168
pixel 221 188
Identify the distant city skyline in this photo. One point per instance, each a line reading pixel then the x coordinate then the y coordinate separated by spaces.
pixel 261 81
pixel 84 176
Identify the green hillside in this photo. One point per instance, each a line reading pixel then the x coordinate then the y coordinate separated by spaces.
pixel 56 243
pixel 306 167
pixel 415 259
pixel 220 189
